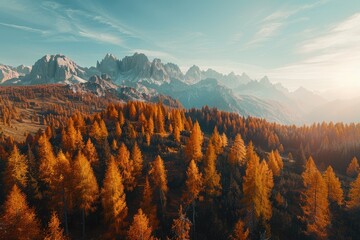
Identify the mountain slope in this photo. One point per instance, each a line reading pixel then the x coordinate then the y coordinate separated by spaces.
pixel 12 73
pixel 209 92
pixel 307 100
pixel 195 88
pixel 55 69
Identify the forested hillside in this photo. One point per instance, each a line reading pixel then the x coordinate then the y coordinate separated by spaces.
pixel 99 169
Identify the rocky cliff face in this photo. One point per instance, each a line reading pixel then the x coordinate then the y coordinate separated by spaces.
pixel 109 65
pixel 7 73
pixel 12 73
pixel 157 71
pixel 193 75
pixel 55 69
pixel 23 70
pixel 174 71
pixel 133 69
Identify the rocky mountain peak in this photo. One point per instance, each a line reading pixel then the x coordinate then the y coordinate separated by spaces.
pixel 23 70
pixel 7 73
pixel 55 68
pixel 193 75
pixel 174 71
pixel 110 56
pixel 138 61
pixel 265 80
pixel 109 65
pixel 158 71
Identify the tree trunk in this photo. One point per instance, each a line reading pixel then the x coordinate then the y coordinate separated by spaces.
pixel 65 213
pixel 193 216
pixel 83 223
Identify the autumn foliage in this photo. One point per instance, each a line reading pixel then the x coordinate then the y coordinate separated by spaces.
pixel 140 170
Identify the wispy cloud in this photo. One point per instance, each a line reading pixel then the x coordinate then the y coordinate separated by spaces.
pixel 13 6
pixel 332 58
pixel 65 22
pixel 24 28
pixel 343 35
pixel 272 24
pixel 267 31
pixel 101 37
pixel 117 26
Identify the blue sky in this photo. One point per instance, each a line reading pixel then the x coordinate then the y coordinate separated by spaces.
pixel 315 44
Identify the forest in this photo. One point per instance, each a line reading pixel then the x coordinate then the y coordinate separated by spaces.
pixel 106 169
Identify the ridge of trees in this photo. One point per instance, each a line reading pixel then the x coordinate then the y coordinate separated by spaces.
pixel 124 172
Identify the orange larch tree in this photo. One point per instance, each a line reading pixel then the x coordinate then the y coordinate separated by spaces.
pixel 137 160
pixel 315 204
pixel 193 145
pixel 237 153
pixel 103 129
pixel 353 169
pixel 240 232
pixel 16 170
pixel 47 160
pixel 159 178
pixel 160 120
pixel 118 130
pixel 126 166
pixel 251 187
pixel 113 199
pixel 354 195
pixel 216 140
pixel 194 186
pixel 266 186
pixel 335 192
pixel 181 226
pixel 90 153
pixel 273 164
pixel 193 183
pixel 148 206
pixel 54 231
pixel 212 177
pixel 61 187
pixel 278 159
pixel 140 229
pixel 95 131
pixel 86 189
pixel 18 222
pixel 176 134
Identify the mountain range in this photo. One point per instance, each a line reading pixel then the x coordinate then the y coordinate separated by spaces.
pixel 139 78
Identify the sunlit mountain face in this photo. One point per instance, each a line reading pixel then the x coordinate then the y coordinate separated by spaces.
pixel 146 120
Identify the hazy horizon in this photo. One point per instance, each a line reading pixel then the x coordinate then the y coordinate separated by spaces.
pixel 302 43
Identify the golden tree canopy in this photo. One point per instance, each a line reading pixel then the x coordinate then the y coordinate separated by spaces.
pixel 54 231
pixel 333 184
pixel 193 146
pixel 18 220
pixel 240 232
pixel 193 183
pixel 113 198
pixel 353 169
pixel 140 229
pixel 237 153
pixel 16 170
pixel 354 194
pixel 85 185
pixel 315 204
